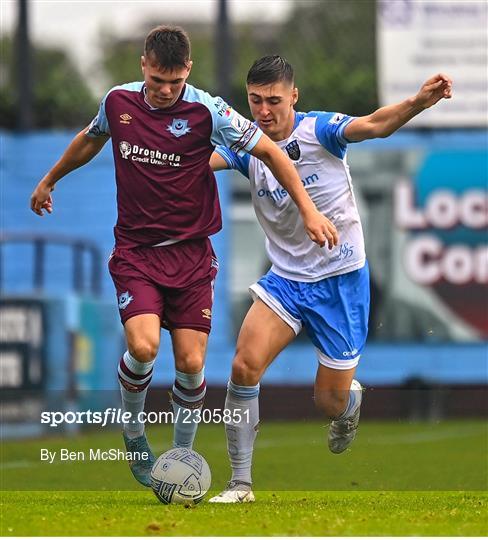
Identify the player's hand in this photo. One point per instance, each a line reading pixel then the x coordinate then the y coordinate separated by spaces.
pixel 41 199
pixel 320 229
pixel 436 88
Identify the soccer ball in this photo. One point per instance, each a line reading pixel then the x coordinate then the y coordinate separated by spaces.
pixel 180 476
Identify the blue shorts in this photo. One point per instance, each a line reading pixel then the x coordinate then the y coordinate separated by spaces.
pixel 334 312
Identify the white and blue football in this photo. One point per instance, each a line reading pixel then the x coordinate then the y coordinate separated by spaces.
pixel 180 476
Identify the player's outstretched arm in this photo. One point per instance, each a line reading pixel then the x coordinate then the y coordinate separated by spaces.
pixel 318 227
pixel 386 120
pixel 217 162
pixel 80 151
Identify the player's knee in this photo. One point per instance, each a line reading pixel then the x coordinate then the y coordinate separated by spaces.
pixel 245 370
pixel 189 362
pixel 330 402
pixel 144 350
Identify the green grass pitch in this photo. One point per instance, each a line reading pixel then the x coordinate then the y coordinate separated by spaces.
pixel 397 479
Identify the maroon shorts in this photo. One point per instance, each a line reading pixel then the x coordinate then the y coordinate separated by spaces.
pixel 175 282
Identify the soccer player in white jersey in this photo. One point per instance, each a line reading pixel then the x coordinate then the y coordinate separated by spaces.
pixel 326 292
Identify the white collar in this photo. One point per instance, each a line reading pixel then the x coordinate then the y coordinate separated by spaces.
pixel 147 102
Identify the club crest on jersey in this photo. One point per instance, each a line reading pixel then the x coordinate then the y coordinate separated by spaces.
pixel 179 127
pixel 125 299
pixel 293 150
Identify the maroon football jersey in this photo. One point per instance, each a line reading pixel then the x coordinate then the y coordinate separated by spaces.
pixel 166 189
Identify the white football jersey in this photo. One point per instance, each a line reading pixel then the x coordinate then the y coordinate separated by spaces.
pixel 317 148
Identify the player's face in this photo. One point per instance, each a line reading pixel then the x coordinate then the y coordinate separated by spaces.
pixel 272 107
pixel 163 86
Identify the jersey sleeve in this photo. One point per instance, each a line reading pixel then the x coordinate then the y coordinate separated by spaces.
pixel 329 130
pixel 232 130
pixel 229 128
pixel 234 161
pixel 99 125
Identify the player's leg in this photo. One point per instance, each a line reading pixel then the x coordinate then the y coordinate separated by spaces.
pixel 135 374
pixel 188 315
pixel 140 305
pixel 189 389
pixel 338 395
pixel 262 337
pixel 331 390
pixel 190 272
pixel 337 324
pixel 136 367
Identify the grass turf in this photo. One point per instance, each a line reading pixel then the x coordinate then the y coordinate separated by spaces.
pixel 274 513
pixel 399 479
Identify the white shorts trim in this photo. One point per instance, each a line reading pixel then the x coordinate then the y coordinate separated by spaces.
pixel 167 243
pixel 259 292
pixel 337 364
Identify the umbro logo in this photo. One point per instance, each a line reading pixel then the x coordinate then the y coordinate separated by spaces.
pixel 206 313
pixel 125 118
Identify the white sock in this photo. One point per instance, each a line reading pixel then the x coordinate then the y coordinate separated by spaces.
pixel 134 379
pixel 242 401
pixel 355 397
pixel 189 391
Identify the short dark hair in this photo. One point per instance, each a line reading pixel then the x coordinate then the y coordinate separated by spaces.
pixel 270 69
pixel 170 45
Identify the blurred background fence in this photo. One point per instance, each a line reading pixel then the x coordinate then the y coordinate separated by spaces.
pixel 422 196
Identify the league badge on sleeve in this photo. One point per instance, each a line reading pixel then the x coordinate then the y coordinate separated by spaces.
pixel 179 127
pixel 240 123
pixel 336 119
pixel 293 150
pixel 93 129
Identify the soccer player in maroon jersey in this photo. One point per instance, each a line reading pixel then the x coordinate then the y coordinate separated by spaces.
pixel 163 133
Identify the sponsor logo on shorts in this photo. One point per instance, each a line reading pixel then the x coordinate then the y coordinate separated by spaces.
pixel 125 299
pixel 179 127
pixel 350 353
pixel 207 313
